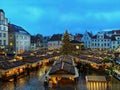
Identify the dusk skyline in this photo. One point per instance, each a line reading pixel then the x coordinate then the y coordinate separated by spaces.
pixel 49 17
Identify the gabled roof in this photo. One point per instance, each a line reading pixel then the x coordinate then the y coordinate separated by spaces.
pixel 35 39
pixel 1 10
pixel 94 37
pixel 62 67
pixel 64 64
pixel 66 60
pixel 78 36
pixel 56 37
pixel 116 31
pixel 90 34
pixel 105 37
pixel 113 38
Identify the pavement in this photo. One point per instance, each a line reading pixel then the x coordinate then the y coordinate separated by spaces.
pixel 36 79
pixel 34 82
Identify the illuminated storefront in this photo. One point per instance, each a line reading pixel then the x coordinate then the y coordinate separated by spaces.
pixel 96 83
pixel 63 72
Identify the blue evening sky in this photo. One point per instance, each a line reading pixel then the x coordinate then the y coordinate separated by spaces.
pixel 49 17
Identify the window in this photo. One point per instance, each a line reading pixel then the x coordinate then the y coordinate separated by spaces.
pixel 0 28
pixel 89 42
pixel 0 42
pixel 4 42
pixel 1 21
pixel 0 34
pixel 104 44
pixel 95 44
pixel 98 44
pixel 4 28
pixel 11 36
pixel 11 44
pixel 118 42
pixel 113 42
pixel 113 47
pixel 4 34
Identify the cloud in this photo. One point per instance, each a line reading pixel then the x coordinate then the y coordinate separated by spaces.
pixel 70 17
pixel 52 16
pixel 34 13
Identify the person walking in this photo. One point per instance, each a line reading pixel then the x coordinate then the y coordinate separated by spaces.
pixel 46 85
pixel 50 84
pixel 15 79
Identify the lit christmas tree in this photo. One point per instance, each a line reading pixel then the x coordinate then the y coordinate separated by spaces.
pixel 66 45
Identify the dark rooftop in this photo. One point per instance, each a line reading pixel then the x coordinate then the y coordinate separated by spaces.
pixel 8 65
pixel 64 64
pixel 15 28
pixel 62 67
pixel 56 37
pixel 75 41
pixel 1 10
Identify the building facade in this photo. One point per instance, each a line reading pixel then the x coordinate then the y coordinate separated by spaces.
pixel 38 42
pixel 3 30
pixel 87 39
pixel 55 42
pixel 102 40
pixel 19 39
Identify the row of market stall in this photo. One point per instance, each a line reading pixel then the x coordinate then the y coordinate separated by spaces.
pixel 20 67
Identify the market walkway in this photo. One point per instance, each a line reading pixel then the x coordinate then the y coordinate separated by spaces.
pixel 35 82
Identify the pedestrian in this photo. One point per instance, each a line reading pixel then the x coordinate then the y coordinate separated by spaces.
pixel 45 84
pixel 50 84
pixel 45 71
pixel 28 72
pixel 15 78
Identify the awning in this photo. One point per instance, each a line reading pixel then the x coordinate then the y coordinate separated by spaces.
pixel 96 78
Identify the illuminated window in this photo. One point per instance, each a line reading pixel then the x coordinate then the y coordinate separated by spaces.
pixel 77 47
pixel 11 44
pixel 11 37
